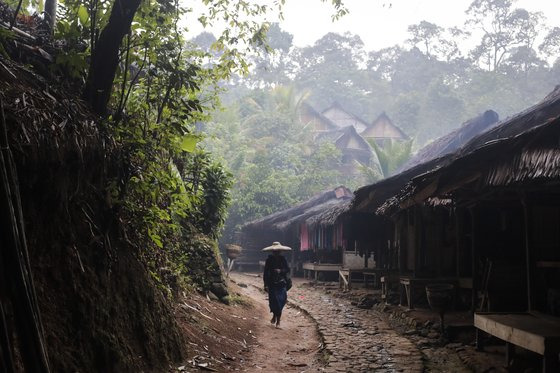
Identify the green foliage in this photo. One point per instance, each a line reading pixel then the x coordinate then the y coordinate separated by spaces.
pixel 392 154
pixel 275 159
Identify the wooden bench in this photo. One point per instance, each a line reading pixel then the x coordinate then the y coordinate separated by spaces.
pixel 410 284
pixel 345 276
pixel 319 267
pixel 532 331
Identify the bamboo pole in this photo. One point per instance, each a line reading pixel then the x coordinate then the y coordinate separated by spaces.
pixel 15 260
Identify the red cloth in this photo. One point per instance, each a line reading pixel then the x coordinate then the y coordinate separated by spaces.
pixel 304 238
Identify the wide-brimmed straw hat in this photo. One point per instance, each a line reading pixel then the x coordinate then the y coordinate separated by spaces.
pixel 277 246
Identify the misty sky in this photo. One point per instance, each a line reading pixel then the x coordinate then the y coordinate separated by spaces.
pixel 380 23
pixel 383 23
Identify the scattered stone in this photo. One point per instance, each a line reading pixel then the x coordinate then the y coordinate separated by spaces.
pixel 225 300
pixel 454 345
pixel 219 289
pixel 411 332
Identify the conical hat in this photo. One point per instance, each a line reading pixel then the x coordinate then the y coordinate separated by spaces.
pixel 277 246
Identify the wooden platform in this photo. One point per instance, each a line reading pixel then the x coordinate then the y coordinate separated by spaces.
pixel 319 267
pixel 345 276
pixel 412 284
pixel 532 331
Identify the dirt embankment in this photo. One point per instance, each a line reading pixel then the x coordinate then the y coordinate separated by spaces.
pixel 99 307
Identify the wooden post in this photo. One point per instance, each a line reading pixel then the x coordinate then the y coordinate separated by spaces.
pixel 528 256
pixel 293 254
pixel 472 211
pixel 417 239
pixel 458 231
pixel 510 353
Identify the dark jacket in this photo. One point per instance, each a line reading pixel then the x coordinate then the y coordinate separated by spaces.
pixel 270 276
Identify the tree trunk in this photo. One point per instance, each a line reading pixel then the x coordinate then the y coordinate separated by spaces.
pixel 50 14
pixel 105 57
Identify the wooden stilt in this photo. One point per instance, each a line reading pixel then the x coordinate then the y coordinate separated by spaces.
pixel 528 256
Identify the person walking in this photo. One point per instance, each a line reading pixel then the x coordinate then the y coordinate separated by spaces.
pixel 277 280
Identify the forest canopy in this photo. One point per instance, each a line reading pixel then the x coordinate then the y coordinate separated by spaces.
pixel 503 58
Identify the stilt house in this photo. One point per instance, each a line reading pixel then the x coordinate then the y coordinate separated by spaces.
pixel 343 118
pixel 383 128
pixel 285 226
pixel 399 254
pixel 499 200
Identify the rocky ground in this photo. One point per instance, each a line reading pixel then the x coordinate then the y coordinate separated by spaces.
pixel 360 336
pixel 326 330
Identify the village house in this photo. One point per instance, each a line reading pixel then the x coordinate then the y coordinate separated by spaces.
pixel 286 226
pixel 490 213
pixel 382 129
pixel 350 134
pixel 343 118
pixel 396 251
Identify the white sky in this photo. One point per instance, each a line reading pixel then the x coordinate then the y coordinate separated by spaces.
pixel 380 23
pixel 383 23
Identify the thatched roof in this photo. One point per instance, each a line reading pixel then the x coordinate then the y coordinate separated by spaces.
pixel 521 149
pixel 347 136
pixel 348 117
pixel 329 215
pixel 433 155
pixel 284 219
pixel 383 128
pixel 453 140
pixel 309 213
pixel 308 114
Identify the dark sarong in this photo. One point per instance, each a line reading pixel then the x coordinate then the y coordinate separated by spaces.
pixel 277 297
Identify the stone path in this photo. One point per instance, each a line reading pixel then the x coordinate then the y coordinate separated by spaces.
pixel 360 340
pixel 356 340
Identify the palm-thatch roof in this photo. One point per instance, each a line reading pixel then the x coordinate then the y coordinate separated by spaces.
pixel 349 138
pixel 433 155
pixel 383 128
pixel 329 216
pixel 453 140
pixel 282 220
pixel 523 148
pixel 308 115
pixel 347 118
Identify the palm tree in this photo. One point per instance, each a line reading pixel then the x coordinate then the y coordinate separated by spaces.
pixel 392 154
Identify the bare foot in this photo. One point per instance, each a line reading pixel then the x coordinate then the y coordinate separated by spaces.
pixel 273 320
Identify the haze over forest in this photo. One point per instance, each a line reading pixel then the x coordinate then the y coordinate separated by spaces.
pixel 428 85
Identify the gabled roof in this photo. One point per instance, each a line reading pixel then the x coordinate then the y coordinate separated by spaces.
pixel 350 139
pixel 383 128
pixel 316 204
pixel 310 116
pixel 342 117
pixel 370 197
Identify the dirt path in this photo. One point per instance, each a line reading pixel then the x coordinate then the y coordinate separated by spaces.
pixel 295 347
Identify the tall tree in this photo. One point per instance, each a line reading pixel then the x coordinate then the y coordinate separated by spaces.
pixel 550 45
pixel 105 57
pixel 494 19
pixel 427 35
pixel 50 14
